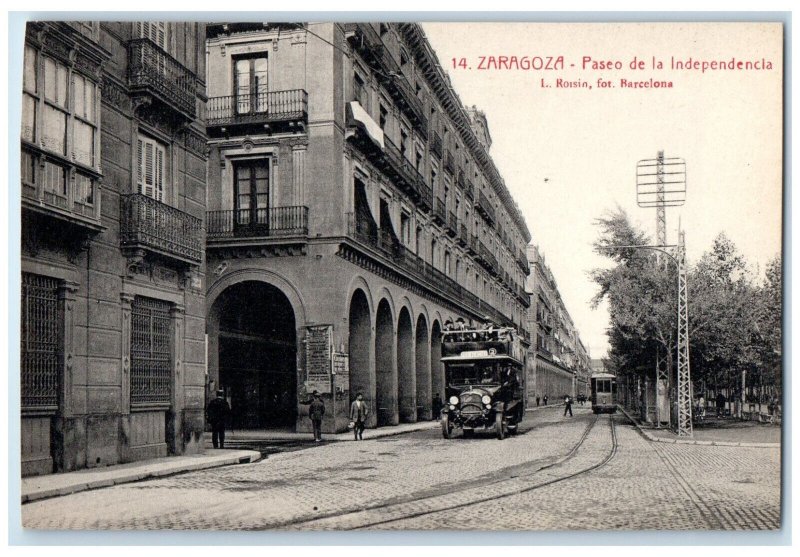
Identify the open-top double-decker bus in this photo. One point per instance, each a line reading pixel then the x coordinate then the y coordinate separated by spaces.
pixel 484 381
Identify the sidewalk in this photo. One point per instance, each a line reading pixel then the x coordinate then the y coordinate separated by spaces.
pixel 56 485
pixel 731 433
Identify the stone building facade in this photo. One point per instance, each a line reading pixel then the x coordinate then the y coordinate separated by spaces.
pixel 353 210
pixel 560 359
pixel 113 189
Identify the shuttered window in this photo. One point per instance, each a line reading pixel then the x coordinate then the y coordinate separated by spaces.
pixel 150 156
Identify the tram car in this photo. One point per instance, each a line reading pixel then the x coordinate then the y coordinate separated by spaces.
pixel 484 382
pixel 604 393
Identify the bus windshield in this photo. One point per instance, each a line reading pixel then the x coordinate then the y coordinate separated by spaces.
pixel 473 374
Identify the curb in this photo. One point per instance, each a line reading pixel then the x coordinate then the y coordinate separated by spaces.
pixel 650 437
pixel 240 457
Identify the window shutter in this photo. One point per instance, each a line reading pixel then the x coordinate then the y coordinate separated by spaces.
pixel 158 179
pixel 139 161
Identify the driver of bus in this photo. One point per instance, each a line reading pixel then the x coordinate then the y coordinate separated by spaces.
pixel 487 377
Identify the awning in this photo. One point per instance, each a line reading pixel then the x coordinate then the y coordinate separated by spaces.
pixel 357 116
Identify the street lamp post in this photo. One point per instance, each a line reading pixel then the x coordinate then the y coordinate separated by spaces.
pixel 678 256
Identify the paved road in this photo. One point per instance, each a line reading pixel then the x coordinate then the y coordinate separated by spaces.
pixel 421 481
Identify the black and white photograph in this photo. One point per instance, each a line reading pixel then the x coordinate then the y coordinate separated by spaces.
pixel 408 275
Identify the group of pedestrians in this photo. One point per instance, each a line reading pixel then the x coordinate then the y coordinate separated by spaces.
pixel 218 414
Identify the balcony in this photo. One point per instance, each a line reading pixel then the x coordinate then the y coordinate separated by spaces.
pixel 452 224
pixel 400 169
pixel 485 208
pixel 468 189
pixel 149 226
pixel 449 162
pixel 436 144
pixel 472 246
pixel 461 180
pixel 439 211
pixel 463 235
pixel 272 222
pixel 487 258
pixel 77 208
pixel 366 41
pixel 522 262
pixel 156 76
pixel 282 110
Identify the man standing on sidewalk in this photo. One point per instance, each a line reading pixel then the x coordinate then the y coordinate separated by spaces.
pixel 315 411
pixel 217 414
pixel 358 415
pixel 567 405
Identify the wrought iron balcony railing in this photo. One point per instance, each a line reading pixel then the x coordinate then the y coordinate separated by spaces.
pixel 368 43
pixel 151 70
pixel 452 224
pixel 156 227
pixel 463 235
pixel 468 189
pixel 439 211
pixel 449 162
pixel 261 108
pixel 267 222
pixel 436 144
pixel 472 246
pixel 485 207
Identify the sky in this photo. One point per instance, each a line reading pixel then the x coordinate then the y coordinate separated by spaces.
pixel 569 154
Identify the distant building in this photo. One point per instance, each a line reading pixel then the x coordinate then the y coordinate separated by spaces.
pixel 560 360
pixel 353 210
pixel 113 203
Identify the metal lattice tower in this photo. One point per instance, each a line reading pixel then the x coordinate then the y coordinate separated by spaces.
pixel 684 374
pixel 661 211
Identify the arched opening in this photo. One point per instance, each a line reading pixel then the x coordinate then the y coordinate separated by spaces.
pixel 361 380
pixel 405 368
pixel 385 367
pixel 423 367
pixel 437 369
pixel 256 353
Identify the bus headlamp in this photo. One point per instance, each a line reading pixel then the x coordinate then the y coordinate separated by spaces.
pixel 486 399
pixel 453 400
pixel 452 407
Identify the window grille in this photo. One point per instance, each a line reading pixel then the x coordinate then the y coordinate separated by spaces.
pixel 42 342
pixel 151 352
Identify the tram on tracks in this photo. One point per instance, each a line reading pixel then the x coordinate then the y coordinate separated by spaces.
pixel 604 393
pixel 483 381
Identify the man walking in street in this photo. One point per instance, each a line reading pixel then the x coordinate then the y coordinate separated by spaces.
pixel 217 414
pixel 537 400
pixel 720 405
pixel 358 415
pixel 545 400
pixel 315 411
pixel 567 405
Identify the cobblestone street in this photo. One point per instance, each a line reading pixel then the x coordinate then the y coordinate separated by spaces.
pixel 560 473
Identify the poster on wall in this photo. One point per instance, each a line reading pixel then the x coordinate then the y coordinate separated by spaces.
pixel 318 358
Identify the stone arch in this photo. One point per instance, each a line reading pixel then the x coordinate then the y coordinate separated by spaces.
pixel 423 369
pixel 406 380
pixel 437 369
pixel 360 350
pixel 385 365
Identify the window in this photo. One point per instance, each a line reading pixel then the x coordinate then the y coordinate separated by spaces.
pixel 418 241
pixel 403 143
pixel 384 114
pixel 251 84
pixel 85 120
pixel 156 31
pixel 419 161
pixel 405 229
pixel 447 263
pixel 359 91
pixel 30 94
pixel 251 191
pixel 151 352
pixel 150 155
pixel 59 115
pixel 42 342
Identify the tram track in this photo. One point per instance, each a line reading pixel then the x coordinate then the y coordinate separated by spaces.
pixel 499 488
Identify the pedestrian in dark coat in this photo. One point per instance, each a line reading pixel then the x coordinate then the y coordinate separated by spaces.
pixel 315 411
pixel 358 415
pixel 720 405
pixel 545 400
pixel 567 405
pixel 537 400
pixel 217 415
